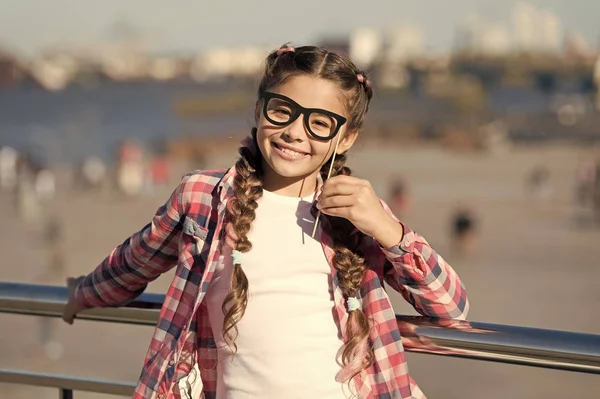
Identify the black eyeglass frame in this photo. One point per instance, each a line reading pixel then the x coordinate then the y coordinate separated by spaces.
pixel 298 109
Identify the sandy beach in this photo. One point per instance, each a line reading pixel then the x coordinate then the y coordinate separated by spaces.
pixel 532 266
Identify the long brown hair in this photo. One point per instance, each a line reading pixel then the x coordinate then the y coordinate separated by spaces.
pixel 280 66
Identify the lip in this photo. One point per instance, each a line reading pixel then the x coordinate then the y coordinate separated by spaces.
pixel 277 147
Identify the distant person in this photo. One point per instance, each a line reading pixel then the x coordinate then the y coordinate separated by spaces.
pixel 91 174
pixel 585 184
pixel 463 230
pixel 131 171
pixel 160 165
pixel 54 238
pixel 8 168
pixel 250 306
pixel 597 190
pixel 160 170
pixel 27 202
pixel 55 268
pixel 585 187
pixel 45 185
pixel 400 199
pixel 539 183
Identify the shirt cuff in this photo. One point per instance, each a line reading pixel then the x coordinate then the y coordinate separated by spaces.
pixel 406 244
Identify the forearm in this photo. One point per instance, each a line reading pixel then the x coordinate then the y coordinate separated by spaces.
pixel 425 279
pixel 144 256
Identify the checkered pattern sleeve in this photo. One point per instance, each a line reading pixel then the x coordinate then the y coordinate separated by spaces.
pixel 424 278
pixel 142 258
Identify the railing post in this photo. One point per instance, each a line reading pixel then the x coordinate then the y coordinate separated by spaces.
pixel 65 393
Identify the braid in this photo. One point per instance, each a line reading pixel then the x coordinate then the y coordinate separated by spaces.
pixel 247 189
pixel 356 354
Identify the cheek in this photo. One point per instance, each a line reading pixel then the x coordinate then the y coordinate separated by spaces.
pixel 264 131
pixel 322 148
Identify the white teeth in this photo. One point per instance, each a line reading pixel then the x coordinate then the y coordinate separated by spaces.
pixel 290 152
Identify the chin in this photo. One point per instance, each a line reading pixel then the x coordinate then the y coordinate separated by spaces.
pixel 287 170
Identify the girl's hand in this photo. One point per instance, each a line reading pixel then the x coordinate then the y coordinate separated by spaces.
pixel 354 199
pixel 72 307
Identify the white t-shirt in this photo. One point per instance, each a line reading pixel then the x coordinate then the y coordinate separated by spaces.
pixel 288 339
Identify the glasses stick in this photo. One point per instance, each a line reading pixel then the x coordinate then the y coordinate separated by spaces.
pixel 328 175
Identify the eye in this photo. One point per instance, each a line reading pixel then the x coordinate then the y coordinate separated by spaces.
pixel 282 111
pixel 321 123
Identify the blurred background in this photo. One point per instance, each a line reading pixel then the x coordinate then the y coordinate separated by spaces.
pixel 483 136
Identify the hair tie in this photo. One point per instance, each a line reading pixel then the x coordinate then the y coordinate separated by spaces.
pixel 362 80
pixel 353 303
pixel 285 50
pixel 237 257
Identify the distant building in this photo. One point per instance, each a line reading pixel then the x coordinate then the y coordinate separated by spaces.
pixel 551 31
pixel 338 44
pixel 165 67
pixel 224 62
pixel 536 29
pixel 576 46
pixel 524 20
pixel 403 43
pixel 365 47
pixel 479 37
pixel 54 71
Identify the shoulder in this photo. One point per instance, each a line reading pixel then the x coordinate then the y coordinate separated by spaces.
pixel 197 188
pixel 201 181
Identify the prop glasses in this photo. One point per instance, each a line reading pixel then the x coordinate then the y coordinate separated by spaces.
pixel 321 124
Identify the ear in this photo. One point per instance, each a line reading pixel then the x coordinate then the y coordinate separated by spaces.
pixel 347 141
pixel 257 111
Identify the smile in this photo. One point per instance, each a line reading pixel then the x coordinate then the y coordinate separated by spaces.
pixel 288 153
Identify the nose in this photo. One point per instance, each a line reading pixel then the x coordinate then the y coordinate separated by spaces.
pixel 296 131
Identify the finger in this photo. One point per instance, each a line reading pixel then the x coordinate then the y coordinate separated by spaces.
pixel 340 211
pixel 344 185
pixel 336 201
pixel 347 180
pixel 339 188
pixel 344 179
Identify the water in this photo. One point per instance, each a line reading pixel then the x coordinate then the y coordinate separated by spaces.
pixel 66 126
pixel 69 125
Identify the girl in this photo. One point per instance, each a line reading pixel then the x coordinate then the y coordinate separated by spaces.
pixel 279 285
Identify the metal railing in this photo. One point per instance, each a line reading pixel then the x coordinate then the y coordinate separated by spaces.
pixel 66 384
pixel 562 350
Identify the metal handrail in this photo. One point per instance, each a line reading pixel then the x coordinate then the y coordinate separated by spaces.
pixel 67 382
pixel 48 300
pixel 563 350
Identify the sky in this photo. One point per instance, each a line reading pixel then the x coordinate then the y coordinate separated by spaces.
pixel 27 26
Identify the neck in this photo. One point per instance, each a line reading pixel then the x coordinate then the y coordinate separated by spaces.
pixel 290 186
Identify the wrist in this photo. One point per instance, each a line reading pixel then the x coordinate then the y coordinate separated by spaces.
pixel 390 233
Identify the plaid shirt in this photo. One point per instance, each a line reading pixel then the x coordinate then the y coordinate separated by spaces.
pixel 188 232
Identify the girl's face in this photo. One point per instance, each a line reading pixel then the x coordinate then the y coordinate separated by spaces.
pixel 291 153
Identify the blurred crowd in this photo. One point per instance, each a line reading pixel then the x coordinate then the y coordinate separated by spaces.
pixel 33 183
pixel 32 186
